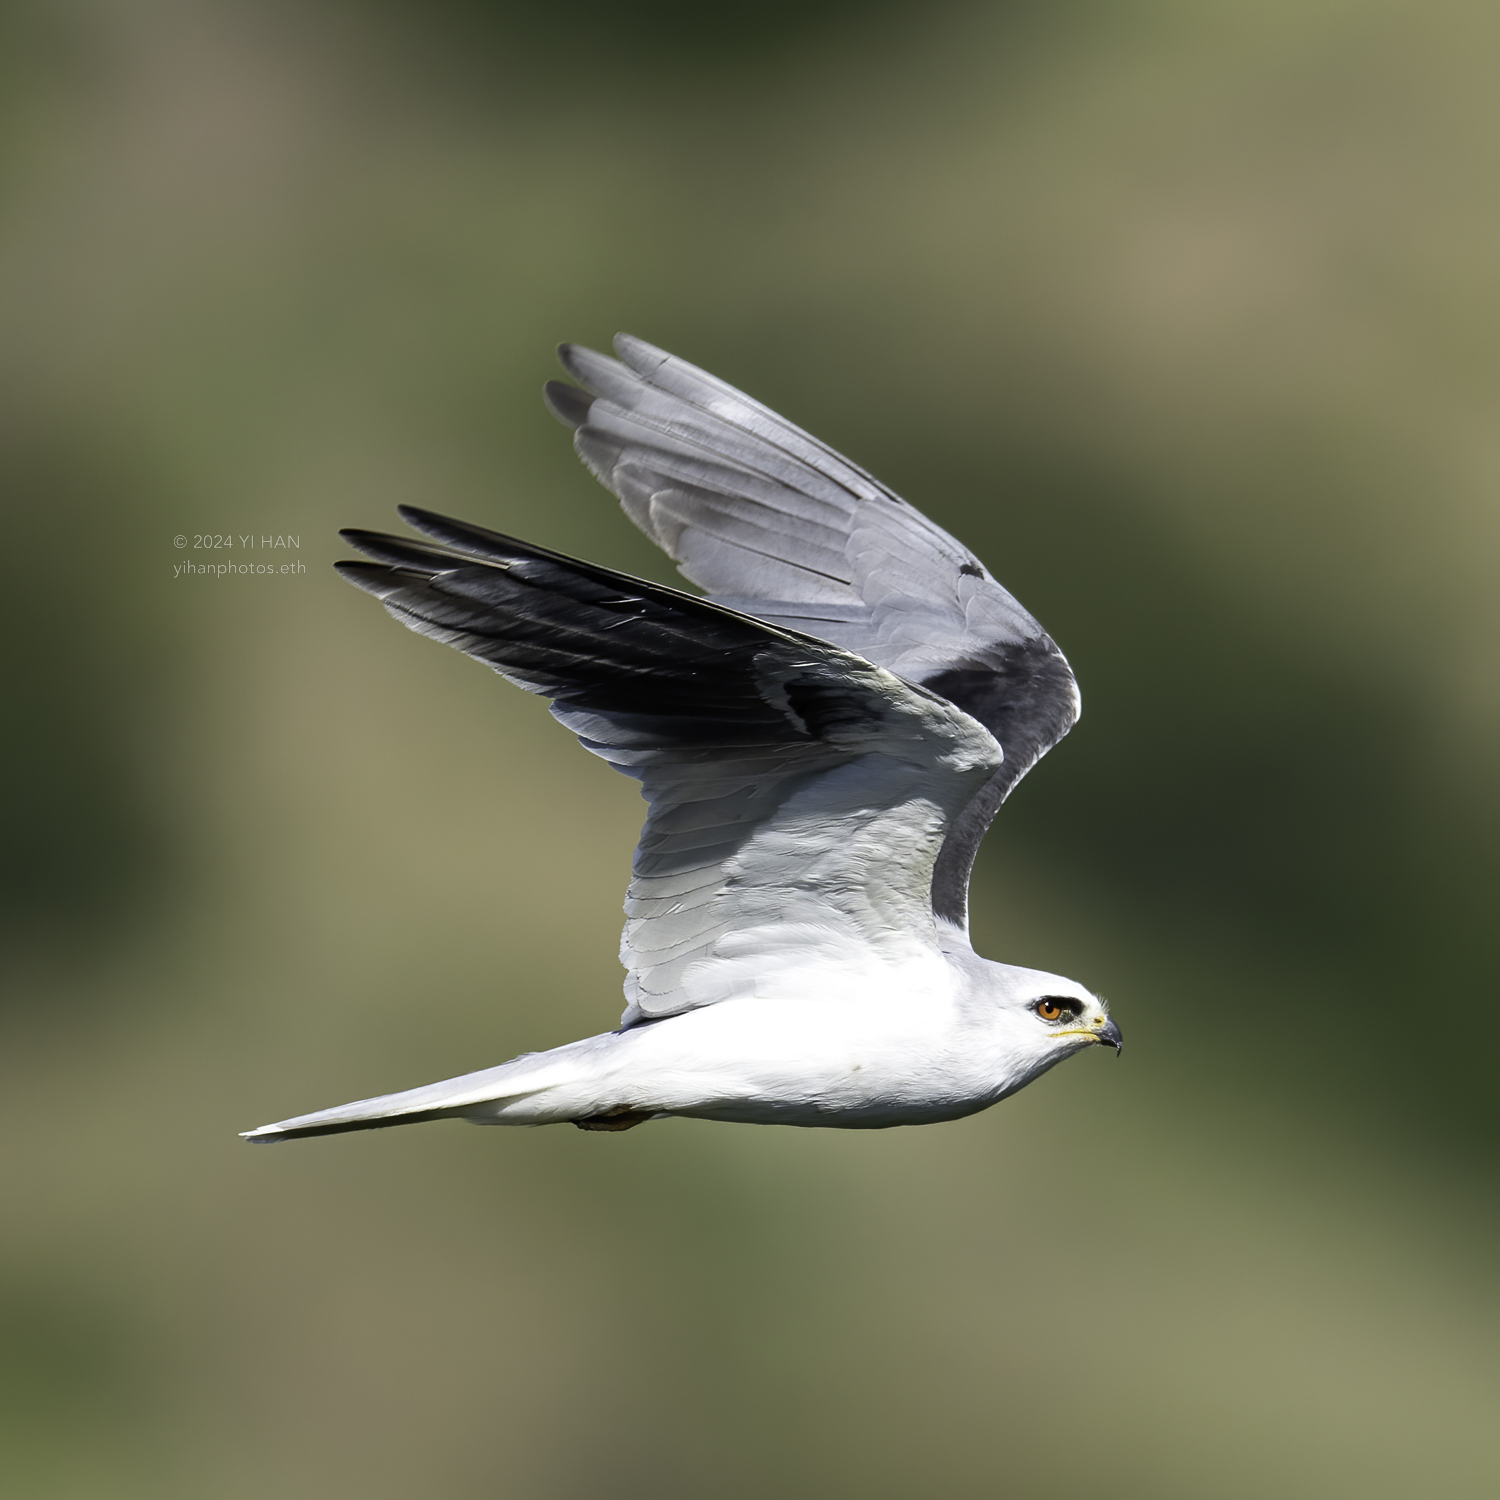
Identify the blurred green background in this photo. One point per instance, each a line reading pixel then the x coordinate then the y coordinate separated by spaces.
pixel 1185 317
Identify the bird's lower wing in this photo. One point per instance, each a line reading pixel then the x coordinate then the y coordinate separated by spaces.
pixel 799 794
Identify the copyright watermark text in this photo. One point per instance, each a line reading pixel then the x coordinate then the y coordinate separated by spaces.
pixel 191 569
pixel 224 545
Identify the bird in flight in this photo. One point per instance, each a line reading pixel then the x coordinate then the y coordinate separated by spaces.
pixel 822 741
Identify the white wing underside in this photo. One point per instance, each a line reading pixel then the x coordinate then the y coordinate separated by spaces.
pixel 836 874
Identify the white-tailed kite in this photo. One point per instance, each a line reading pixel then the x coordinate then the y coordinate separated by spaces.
pixel 823 742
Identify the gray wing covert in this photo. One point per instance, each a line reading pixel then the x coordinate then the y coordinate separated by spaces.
pixel 773 523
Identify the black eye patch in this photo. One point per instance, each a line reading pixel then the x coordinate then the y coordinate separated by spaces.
pixel 1055 1007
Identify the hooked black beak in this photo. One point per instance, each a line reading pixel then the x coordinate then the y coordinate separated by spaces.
pixel 1109 1036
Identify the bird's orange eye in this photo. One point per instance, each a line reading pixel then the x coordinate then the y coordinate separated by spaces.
pixel 1049 1010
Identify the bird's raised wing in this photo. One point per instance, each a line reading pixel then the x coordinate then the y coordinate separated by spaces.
pixel 774 523
pixel 799 794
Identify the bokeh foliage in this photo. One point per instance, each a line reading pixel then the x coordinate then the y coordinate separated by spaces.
pixel 1182 317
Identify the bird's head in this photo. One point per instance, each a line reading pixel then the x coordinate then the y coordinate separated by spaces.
pixel 1047 1018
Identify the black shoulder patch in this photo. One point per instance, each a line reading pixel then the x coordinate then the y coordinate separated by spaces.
pixel 1023 693
pixel 971 570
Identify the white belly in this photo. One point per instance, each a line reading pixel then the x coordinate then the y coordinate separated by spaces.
pixel 839 1060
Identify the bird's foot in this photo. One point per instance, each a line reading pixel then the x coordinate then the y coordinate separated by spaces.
pixel 616 1119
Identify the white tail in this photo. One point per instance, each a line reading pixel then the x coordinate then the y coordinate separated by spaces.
pixel 537 1088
